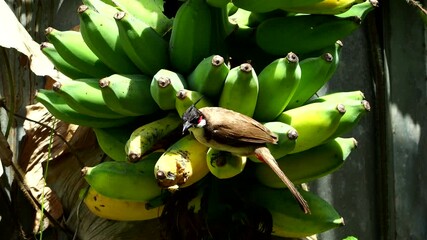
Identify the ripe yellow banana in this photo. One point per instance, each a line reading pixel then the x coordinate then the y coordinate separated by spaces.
pixel 183 164
pixel 118 209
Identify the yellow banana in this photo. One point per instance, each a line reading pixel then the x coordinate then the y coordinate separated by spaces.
pixel 183 164
pixel 118 209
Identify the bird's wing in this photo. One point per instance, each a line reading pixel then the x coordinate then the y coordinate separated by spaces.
pixel 237 128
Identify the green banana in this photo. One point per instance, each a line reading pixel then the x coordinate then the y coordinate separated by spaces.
pixel 323 7
pixel 125 180
pixel 105 7
pixel 185 98
pixel 57 106
pixel 182 164
pixel 221 28
pixel 340 96
pixel 314 74
pixel 256 5
pixel 128 95
pixel 288 138
pixel 151 12
pixel 310 164
pixel 60 63
pixel 144 46
pixel 164 87
pixel 218 3
pixel 314 123
pixel 281 35
pixel 231 8
pixel 145 137
pixel 245 18
pixel 360 10
pixel 190 39
pixel 356 107
pixel 71 46
pixel 278 82
pixel 101 35
pixel 288 219
pixel 208 77
pixel 112 141
pixel 223 164
pixel 85 96
pixel 355 110
pixel 240 91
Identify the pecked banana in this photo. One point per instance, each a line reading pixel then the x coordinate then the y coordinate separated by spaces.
pixel 101 35
pixel 240 91
pixel 310 164
pixel 145 137
pixel 277 84
pixel 125 180
pixel 60 63
pixel 119 209
pixel 128 95
pixel 71 46
pixel 57 106
pixel 183 164
pixel 85 97
pixel 190 39
pixel 164 87
pixel 223 164
pixel 144 46
pixel 208 77
pixel 314 123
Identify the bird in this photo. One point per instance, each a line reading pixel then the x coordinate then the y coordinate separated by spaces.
pixel 231 131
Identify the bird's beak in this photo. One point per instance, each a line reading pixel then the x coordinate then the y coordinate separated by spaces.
pixel 185 127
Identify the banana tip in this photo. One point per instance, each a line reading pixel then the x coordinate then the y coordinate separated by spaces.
pixel 119 15
pixel 84 171
pixel 82 8
pixel 104 82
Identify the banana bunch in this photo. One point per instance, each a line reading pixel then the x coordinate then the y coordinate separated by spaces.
pixel 133 71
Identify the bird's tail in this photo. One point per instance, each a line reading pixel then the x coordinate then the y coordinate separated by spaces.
pixel 264 155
